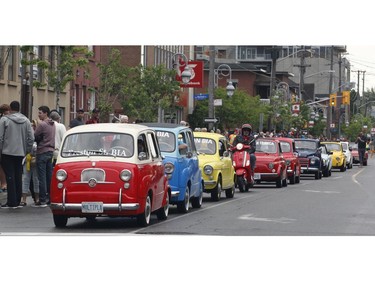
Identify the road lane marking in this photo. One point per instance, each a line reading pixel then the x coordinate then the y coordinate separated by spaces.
pixel 251 217
pixel 355 175
pixel 191 213
pixel 321 191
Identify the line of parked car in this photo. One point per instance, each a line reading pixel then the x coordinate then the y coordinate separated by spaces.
pixel 136 170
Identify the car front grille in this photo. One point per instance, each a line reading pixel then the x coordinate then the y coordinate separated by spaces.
pixel 97 174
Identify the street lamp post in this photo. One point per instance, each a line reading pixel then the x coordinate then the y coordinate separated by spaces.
pixel 225 71
pixel 185 75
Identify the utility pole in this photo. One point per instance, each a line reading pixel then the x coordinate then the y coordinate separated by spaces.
pixel 302 67
pixel 211 85
pixel 330 89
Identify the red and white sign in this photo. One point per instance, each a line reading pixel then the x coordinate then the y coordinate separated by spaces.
pixel 295 108
pixel 196 69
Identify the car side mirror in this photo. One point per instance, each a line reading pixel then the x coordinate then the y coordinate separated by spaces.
pixel 189 154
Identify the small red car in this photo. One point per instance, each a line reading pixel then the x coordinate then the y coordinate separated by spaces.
pixel 291 158
pixel 113 170
pixel 270 163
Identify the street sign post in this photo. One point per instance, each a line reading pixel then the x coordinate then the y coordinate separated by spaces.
pixel 212 120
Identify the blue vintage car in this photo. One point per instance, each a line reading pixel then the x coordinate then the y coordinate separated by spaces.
pixel 309 155
pixel 181 164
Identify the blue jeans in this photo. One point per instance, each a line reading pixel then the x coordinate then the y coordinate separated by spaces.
pixel 26 179
pixel 361 155
pixel 44 164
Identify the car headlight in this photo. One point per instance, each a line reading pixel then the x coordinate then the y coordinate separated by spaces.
pixel 312 161
pixel 208 170
pixel 125 175
pixel 61 175
pixel 239 146
pixel 168 168
pixel 271 165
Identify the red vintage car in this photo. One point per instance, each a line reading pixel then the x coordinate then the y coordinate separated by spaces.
pixel 288 149
pixel 270 163
pixel 113 170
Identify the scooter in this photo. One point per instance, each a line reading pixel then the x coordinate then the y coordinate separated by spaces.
pixel 242 166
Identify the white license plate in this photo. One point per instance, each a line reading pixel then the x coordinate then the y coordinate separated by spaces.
pixel 92 207
pixel 257 176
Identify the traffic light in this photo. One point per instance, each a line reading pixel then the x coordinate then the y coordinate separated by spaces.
pixel 332 100
pixel 346 97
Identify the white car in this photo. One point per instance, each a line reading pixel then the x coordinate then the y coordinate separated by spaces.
pixel 348 153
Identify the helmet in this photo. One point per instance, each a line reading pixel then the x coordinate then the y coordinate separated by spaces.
pixel 246 127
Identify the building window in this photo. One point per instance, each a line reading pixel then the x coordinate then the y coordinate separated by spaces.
pixel 11 58
pixel 247 53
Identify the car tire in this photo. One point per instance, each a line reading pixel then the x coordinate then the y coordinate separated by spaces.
pixel 196 202
pixel 292 179
pixel 229 193
pixel 162 213
pixel 144 218
pixel 183 206
pixel 216 192
pixel 60 220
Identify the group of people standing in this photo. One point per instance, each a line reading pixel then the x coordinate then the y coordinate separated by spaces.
pixel 27 151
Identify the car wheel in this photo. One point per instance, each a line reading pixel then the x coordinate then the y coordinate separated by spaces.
pixel 196 202
pixel 216 192
pixel 326 173
pixel 292 179
pixel 343 168
pixel 183 207
pixel 144 218
pixel 229 193
pixel 162 213
pixel 365 163
pixel 317 175
pixel 60 220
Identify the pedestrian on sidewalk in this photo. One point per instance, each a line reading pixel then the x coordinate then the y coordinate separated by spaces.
pixel 94 117
pixel 59 133
pixel 45 139
pixel 79 119
pixel 4 110
pixel 30 181
pixel 16 140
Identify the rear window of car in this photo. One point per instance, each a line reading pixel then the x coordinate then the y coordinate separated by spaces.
pixel 205 145
pixel 98 144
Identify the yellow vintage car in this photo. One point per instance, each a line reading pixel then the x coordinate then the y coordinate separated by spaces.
pixel 338 155
pixel 216 164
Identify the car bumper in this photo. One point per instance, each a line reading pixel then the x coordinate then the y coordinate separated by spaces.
pixel 106 207
pixel 309 170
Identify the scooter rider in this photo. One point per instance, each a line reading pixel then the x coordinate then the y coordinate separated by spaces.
pixel 246 137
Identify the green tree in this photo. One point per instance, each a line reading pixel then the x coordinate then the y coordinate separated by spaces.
pixel 67 59
pixel 149 89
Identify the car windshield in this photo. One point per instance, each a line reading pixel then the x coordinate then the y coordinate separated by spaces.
pixel 305 145
pixel 333 147
pixel 285 146
pixel 205 145
pixel 344 146
pixel 266 146
pixel 98 144
pixel 167 141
